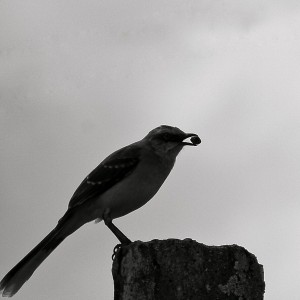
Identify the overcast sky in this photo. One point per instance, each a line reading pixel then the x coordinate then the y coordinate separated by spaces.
pixel 79 79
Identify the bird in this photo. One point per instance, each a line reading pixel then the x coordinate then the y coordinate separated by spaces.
pixel 123 182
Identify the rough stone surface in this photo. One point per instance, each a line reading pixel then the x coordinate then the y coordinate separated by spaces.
pixel 185 269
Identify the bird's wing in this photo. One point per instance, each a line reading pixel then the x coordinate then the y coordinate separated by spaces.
pixel 109 172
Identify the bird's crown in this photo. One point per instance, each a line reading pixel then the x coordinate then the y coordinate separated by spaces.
pixel 166 132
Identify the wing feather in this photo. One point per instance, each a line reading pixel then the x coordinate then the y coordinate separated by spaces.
pixel 109 172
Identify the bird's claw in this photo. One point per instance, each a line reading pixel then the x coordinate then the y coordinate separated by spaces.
pixel 116 249
pixel 119 247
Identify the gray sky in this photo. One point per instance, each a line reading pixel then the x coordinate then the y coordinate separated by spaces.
pixel 79 79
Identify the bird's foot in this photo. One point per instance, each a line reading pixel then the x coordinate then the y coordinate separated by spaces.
pixel 115 251
pixel 118 247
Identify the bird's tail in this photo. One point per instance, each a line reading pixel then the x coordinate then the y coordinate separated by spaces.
pixel 18 275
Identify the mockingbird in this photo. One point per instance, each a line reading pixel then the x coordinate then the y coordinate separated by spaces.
pixel 123 182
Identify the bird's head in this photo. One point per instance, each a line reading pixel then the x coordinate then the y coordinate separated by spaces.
pixel 168 140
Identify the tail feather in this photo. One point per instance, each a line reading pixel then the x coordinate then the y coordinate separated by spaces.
pixel 18 275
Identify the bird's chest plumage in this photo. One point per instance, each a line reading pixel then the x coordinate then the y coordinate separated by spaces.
pixel 136 189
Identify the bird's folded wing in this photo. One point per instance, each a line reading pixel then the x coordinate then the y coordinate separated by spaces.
pixel 109 172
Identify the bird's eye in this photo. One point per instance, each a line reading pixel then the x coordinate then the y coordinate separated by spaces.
pixel 166 136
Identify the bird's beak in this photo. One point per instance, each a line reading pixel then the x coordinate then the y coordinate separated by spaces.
pixel 194 141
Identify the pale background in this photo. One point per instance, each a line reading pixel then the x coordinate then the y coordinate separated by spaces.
pixel 79 79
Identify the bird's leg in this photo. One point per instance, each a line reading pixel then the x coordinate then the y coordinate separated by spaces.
pixel 115 230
